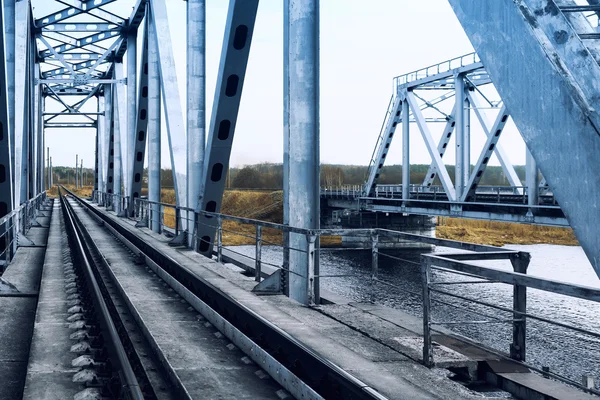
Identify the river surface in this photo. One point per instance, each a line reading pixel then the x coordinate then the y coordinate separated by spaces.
pixel 566 352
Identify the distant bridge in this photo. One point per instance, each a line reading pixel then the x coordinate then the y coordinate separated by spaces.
pixel 427 96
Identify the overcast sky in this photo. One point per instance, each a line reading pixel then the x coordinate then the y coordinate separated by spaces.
pixel 363 46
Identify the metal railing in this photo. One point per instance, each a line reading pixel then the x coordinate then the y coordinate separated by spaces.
pixel 17 221
pixel 307 245
pixel 517 315
pixel 436 69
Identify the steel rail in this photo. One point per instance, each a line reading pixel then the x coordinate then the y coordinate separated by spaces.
pixel 115 346
pixel 321 375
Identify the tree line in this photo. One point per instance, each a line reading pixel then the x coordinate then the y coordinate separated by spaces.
pixel 270 175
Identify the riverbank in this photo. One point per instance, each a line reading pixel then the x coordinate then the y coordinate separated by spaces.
pixel 502 233
pixel 268 206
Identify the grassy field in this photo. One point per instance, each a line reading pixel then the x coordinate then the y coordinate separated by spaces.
pixel 501 233
pixel 268 206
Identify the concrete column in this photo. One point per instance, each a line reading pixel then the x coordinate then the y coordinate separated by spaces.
pixel 303 200
pixel 405 151
pixel 196 104
pixel 459 181
pixel 154 122
pixel 531 179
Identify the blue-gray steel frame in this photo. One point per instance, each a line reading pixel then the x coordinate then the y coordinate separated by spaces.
pixel 232 71
pixel 541 49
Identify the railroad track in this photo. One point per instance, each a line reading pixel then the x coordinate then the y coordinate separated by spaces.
pixel 156 330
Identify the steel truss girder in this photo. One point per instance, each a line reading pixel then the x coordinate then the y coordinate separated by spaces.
pixel 493 135
pixel 431 147
pixel 65 13
pixel 6 181
pixel 87 43
pixel 384 145
pixel 141 127
pixel 159 26
pixel 22 79
pixel 442 147
pixel 79 27
pixel 121 144
pixel 232 71
pixel 507 167
pixel 563 134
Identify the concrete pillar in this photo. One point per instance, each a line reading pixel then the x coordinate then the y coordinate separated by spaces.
pixel 303 200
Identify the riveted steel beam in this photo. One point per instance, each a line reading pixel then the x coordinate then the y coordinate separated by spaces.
pixel 230 80
pixel 141 127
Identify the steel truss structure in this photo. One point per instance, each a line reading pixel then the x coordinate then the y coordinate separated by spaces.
pixel 77 67
pixel 458 93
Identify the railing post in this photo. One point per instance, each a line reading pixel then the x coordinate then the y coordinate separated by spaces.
pixel 374 256
pixel 286 261
pixel 520 262
pixel 427 345
pixel 257 262
pixel 219 239
pixel 177 214
pixel 310 273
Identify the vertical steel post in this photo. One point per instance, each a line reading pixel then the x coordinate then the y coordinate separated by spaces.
pixel 196 104
pixel 374 256
pixel 48 169
pixel 427 345
pixel 21 146
pixel 531 179
pixel 117 139
pixel 6 181
pixel 235 52
pixel 258 254
pixel 304 158
pixel 108 138
pixel 405 151
pixel 154 123
pixel 130 132
pixel 51 174
pixel 459 165
pixel 76 172
pixel 286 149
pixel 8 9
pixel 141 127
pixel 110 179
pixel 518 348
pixel 467 141
pixel 219 240
pixel 311 271
pixel 100 133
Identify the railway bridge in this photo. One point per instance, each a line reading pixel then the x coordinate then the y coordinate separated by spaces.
pixel 120 295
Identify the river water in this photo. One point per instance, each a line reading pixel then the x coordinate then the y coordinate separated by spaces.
pixel 566 352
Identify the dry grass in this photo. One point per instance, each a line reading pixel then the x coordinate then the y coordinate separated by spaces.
pixel 501 233
pixel 85 191
pixel 268 206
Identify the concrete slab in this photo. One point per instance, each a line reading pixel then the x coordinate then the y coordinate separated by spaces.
pixel 17 320
pixel 49 371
